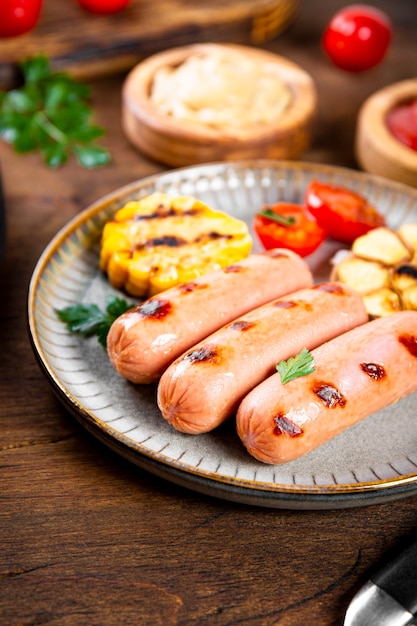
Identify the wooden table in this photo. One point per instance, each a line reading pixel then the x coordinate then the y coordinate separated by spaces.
pixel 87 538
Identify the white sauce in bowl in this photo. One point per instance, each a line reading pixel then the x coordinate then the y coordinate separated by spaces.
pixel 221 90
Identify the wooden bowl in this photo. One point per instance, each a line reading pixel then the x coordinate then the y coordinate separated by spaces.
pixel 180 142
pixel 377 150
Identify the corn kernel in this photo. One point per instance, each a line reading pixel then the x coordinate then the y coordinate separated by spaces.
pixel 157 242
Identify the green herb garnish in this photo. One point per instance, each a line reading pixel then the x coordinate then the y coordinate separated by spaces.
pixel 50 113
pixel 277 217
pixel 88 319
pixel 299 365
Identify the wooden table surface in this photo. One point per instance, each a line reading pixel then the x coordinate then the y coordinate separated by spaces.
pixel 86 538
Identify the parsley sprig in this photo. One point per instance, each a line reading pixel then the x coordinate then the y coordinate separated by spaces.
pixel 50 113
pixel 299 365
pixel 277 217
pixel 89 320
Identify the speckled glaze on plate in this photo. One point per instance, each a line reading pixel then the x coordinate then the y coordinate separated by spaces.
pixel 373 462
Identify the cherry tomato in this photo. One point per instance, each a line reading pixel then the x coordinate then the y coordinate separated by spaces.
pixel 18 16
pixel 103 7
pixel 344 214
pixel 402 122
pixel 357 37
pixel 286 225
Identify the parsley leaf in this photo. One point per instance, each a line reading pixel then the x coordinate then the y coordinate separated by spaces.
pixel 277 217
pixel 299 365
pixel 50 113
pixel 89 320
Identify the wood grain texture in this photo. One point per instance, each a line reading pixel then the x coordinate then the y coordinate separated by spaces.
pixel 89 45
pixel 88 539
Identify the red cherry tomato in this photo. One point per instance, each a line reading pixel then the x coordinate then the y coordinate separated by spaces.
pixel 286 225
pixel 344 214
pixel 103 7
pixel 18 16
pixel 402 122
pixel 357 37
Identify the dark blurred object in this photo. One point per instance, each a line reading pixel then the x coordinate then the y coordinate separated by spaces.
pixel 2 220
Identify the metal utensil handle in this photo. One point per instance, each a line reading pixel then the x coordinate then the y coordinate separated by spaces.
pixel 399 578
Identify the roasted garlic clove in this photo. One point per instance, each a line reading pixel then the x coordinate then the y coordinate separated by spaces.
pixel 364 276
pixel 382 244
pixel 404 276
pixel 408 232
pixel 382 267
pixel 409 298
pixel 382 302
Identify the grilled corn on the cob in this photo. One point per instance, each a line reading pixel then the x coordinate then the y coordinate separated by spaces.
pixel 382 266
pixel 159 241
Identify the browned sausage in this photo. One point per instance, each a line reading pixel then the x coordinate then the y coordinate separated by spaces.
pixel 145 340
pixel 204 386
pixel 357 373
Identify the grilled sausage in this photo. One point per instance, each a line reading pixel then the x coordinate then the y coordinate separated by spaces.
pixel 145 340
pixel 356 374
pixel 203 387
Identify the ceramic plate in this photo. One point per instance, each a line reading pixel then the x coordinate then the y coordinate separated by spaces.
pixel 372 462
